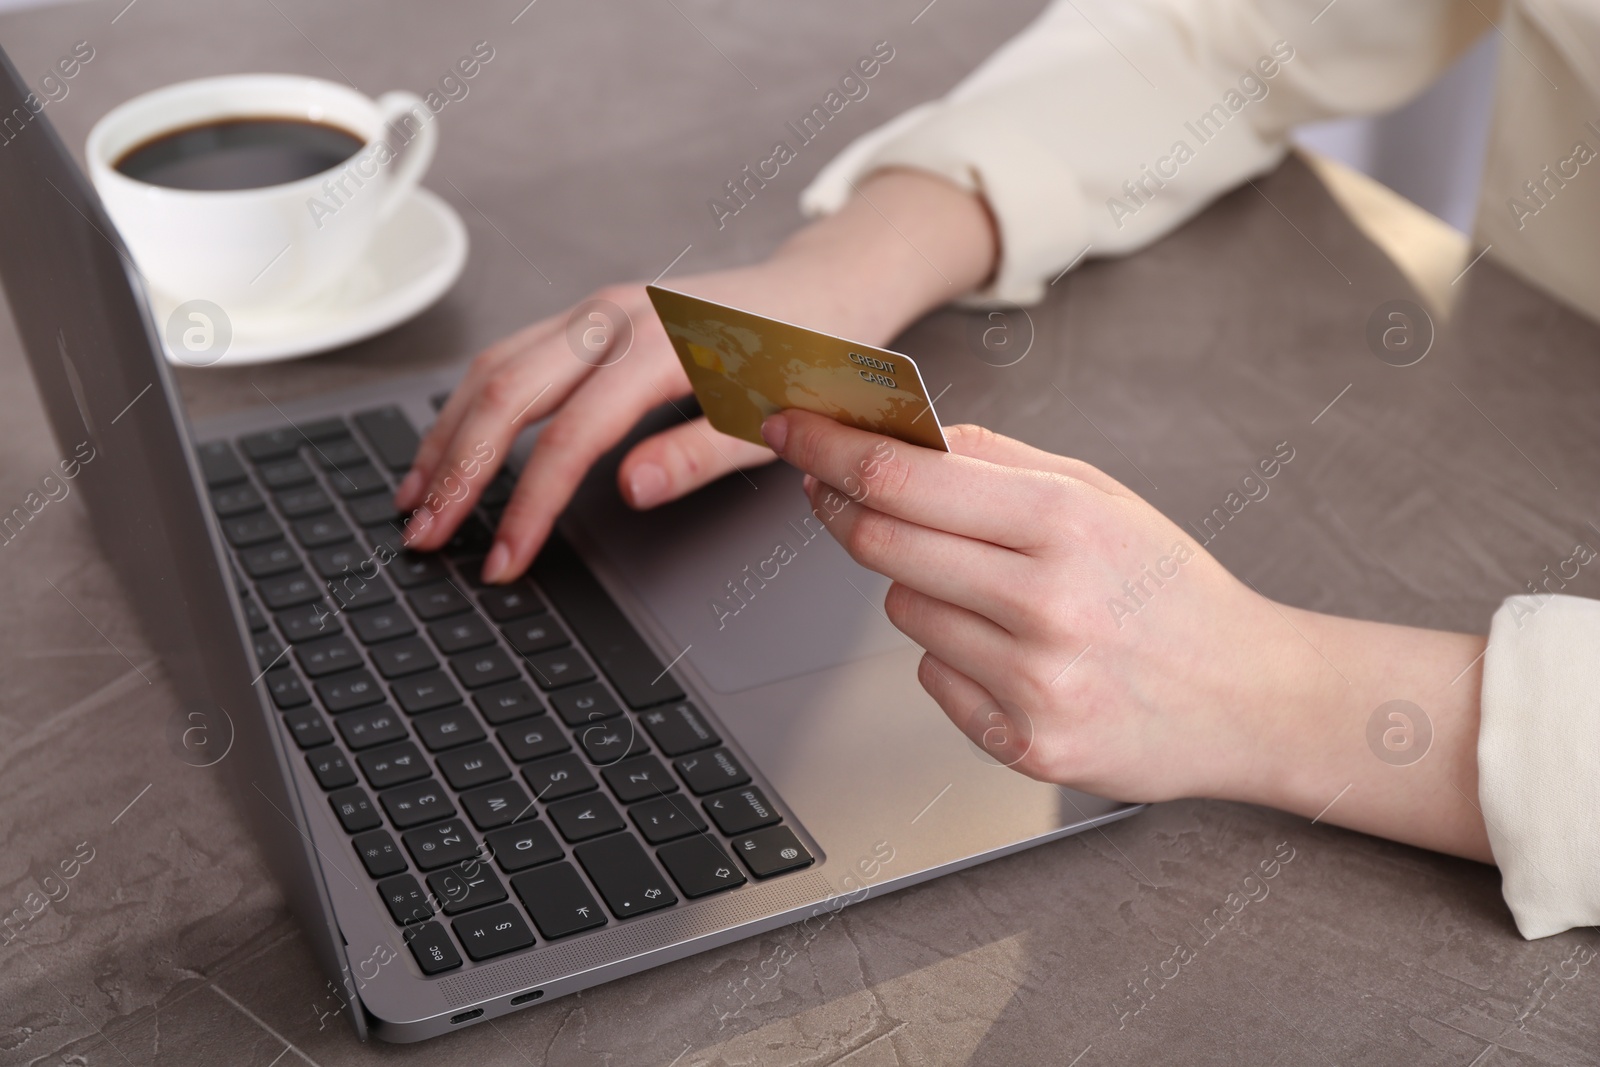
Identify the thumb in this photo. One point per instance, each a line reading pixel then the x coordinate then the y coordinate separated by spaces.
pixel 674 462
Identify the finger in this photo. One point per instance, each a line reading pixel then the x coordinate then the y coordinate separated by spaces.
pixel 980 442
pixel 431 449
pixel 593 419
pixel 977 575
pixel 521 391
pixel 674 462
pixel 958 494
pixel 1000 731
pixel 970 642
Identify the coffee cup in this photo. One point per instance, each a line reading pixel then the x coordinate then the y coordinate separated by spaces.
pixel 233 190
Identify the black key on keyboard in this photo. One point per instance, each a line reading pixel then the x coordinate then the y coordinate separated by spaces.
pixel 527 844
pixel 558 901
pixel 287 590
pixel 379 854
pixel 355 809
pixel 320 530
pixel 441 844
pixel 492 932
pixel 318 430
pixel 256 528
pixel 466 886
pixel 219 465
pixel 284 474
pixel 271 444
pixel 269 650
pixel 381 624
pixel 497 494
pixel 560 776
pixel 486 666
pixel 406 900
pixel 507 703
pixel 585 704
pixel 371 726
pixel 236 500
pixel 372 510
pixel 393 765
pixel 707 772
pixel 253 615
pixel 472 538
pixel 339 453
pixel 611 742
pixel 566 666
pixel 426 692
pixel 436 601
pixel 639 676
pixel 625 875
pixel 466 768
pixel 336 561
pixel 739 810
pixel 415 804
pixel 700 866
pixel 357 480
pixel 306 500
pixel 496 805
pixel 526 741
pixel 308 622
pixel 411 569
pixel 329 765
pixel 272 558
pixel 665 818
pixel 581 818
pixel 287 690
pixel 391 435
pixel 308 726
pixel 506 602
pixel 327 655
pixel 771 851
pixel 678 729
pixel 449 728
pixel 639 779
pixel 431 948
pixel 461 633
pixel 350 690
pixel 353 592
pixel 395 659
pixel 538 633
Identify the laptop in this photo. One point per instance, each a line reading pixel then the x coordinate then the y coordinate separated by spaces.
pixel 483 798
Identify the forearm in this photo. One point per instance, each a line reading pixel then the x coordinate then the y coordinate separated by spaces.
pixel 904 244
pixel 1330 761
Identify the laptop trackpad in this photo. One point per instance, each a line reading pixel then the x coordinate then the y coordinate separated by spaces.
pixel 744 576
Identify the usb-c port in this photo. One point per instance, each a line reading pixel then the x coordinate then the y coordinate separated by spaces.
pixel 527 998
pixel 466 1016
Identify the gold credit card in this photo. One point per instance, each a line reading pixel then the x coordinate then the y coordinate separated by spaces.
pixel 744 367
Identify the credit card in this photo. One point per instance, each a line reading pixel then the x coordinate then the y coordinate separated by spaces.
pixel 744 367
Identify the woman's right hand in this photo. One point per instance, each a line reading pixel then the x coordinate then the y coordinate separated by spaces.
pixel 854 274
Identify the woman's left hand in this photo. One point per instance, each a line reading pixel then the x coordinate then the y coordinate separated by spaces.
pixel 1071 629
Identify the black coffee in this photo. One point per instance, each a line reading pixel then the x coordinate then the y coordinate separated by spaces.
pixel 239 154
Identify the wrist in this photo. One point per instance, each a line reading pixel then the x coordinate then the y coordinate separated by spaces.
pixel 908 242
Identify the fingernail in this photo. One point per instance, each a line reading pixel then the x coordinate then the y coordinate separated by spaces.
pixel 497 563
pixel 647 485
pixel 410 486
pixel 775 431
pixel 807 484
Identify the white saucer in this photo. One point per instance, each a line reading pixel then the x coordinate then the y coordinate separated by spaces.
pixel 411 262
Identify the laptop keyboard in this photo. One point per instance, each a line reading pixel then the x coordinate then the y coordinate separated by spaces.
pixel 513 764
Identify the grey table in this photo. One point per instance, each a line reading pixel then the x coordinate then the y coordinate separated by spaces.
pixel 585 153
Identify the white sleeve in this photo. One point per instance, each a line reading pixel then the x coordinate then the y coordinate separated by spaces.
pixel 1539 759
pixel 1107 123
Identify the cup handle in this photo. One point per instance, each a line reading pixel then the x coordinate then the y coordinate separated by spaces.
pixel 413 156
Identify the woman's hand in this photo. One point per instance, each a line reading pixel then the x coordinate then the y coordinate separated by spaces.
pixel 1075 633
pixel 908 243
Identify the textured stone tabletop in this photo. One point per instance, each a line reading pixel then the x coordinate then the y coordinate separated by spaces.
pixel 584 152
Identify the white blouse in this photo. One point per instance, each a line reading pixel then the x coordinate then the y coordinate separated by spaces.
pixel 1107 123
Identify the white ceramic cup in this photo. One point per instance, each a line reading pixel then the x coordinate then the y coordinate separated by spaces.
pixel 276 246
